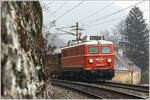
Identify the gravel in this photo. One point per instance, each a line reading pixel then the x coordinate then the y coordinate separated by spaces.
pixel 64 93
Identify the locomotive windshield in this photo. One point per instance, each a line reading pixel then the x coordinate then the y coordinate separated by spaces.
pixel 105 49
pixel 92 50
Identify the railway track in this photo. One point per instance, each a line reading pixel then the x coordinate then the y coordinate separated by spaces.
pixel 139 88
pixel 96 91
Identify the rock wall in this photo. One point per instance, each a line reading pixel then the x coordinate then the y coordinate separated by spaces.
pixel 23 57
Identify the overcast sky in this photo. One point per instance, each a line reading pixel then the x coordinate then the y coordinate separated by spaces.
pixel 93 16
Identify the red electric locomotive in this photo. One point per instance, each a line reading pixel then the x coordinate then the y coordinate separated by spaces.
pixel 92 60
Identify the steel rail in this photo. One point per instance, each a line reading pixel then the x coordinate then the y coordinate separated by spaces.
pixel 128 86
pixel 78 89
pixel 96 91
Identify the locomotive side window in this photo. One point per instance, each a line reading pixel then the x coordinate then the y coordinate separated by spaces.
pixel 75 51
pixel 71 51
pixel 82 51
pixel 92 50
pixel 68 52
pixel 65 53
pixel 105 49
pixel 79 50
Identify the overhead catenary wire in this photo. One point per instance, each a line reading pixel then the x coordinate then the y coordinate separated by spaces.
pixel 48 4
pixel 45 6
pixel 96 12
pixel 66 12
pixel 61 6
pixel 69 10
pixel 114 13
pixel 108 21
pixel 111 20
pixel 65 31
pixel 104 17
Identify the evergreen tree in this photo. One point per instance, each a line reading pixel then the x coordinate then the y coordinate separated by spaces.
pixel 137 36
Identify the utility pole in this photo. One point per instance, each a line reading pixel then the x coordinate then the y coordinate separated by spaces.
pixel 78 35
pixel 76 29
pixel 77 25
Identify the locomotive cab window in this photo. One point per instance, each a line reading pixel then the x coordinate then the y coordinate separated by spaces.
pixel 105 49
pixel 93 50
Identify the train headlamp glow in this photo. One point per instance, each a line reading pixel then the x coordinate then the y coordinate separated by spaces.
pixel 91 60
pixel 109 60
pixel 99 42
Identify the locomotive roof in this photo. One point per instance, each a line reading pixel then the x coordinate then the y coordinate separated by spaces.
pixel 89 42
pixel 58 50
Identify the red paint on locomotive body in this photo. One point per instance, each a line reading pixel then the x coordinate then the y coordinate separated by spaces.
pixel 78 56
pixel 100 59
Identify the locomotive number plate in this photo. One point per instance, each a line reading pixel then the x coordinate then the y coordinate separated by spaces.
pixel 99 64
pixel 99 59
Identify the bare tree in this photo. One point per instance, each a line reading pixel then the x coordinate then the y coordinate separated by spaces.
pixel 117 36
pixel 106 34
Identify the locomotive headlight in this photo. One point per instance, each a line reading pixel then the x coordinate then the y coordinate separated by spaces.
pixel 91 60
pixel 109 60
